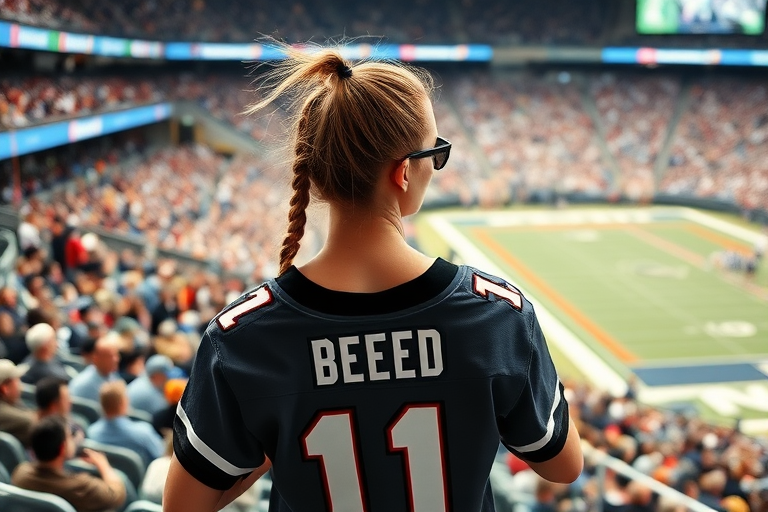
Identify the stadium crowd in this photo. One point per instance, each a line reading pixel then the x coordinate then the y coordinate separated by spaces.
pixel 34 100
pixel 102 341
pixel 535 134
pixel 527 22
pixel 126 317
pixel 721 145
pixel 422 21
pixel 716 465
pixel 635 112
pixel 517 137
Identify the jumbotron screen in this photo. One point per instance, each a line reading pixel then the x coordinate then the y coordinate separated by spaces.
pixel 701 16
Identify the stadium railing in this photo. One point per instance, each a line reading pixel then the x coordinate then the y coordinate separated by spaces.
pixel 603 462
pixel 508 499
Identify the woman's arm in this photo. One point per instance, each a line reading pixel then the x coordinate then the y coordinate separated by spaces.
pixel 184 493
pixel 243 485
pixel 566 466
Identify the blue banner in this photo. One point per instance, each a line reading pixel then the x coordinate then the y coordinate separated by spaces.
pixel 5 34
pixel 710 57
pixel 38 138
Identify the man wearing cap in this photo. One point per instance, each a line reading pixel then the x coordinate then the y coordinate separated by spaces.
pixel 14 417
pixel 146 392
pixel 42 344
pixel 106 358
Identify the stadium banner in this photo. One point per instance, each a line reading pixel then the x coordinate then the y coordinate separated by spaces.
pixel 29 140
pixel 14 35
pixel 259 52
pixel 710 57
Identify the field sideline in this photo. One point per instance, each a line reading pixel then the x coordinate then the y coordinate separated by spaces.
pixel 622 291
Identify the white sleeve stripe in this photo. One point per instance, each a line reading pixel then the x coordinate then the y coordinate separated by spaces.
pixel 541 443
pixel 206 451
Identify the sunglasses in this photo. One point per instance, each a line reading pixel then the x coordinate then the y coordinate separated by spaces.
pixel 439 153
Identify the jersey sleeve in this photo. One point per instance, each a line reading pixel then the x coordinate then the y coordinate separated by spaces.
pixel 210 438
pixel 537 426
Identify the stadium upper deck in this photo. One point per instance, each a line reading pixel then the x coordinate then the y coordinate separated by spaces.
pixel 525 22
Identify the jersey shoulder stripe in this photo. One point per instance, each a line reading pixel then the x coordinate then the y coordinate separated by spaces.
pixel 494 288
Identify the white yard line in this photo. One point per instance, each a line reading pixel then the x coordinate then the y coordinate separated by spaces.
pixel 720 225
pixel 590 364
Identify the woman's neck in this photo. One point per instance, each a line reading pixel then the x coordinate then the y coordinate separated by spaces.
pixel 365 252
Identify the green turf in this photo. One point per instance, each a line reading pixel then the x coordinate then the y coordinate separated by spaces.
pixel 636 294
pixel 656 305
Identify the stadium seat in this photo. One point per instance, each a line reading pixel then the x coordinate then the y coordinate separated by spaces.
pixel 28 395
pixel 137 414
pixel 127 461
pixel 71 372
pixel 80 466
pixel 88 409
pixel 14 499
pixel 73 361
pixel 12 452
pixel 5 477
pixel 144 506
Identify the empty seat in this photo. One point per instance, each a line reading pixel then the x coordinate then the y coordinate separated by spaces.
pixel 14 499
pixel 12 452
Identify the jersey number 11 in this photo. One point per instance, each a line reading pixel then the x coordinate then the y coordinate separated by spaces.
pixel 416 433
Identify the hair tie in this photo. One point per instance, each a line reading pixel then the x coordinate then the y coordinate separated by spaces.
pixel 343 70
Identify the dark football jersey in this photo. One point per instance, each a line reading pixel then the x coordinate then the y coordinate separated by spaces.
pixel 380 402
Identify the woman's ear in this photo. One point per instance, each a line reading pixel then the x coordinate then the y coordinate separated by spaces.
pixel 398 175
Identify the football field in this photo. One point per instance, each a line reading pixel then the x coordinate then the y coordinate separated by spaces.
pixel 642 292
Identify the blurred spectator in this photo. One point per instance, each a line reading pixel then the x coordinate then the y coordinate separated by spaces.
pixel 15 419
pixel 105 360
pixel 147 391
pixel 52 399
pixel 37 99
pixel 42 344
pixel 53 445
pixel 28 232
pixel 163 419
pixel 157 473
pixel 712 485
pixel 173 343
pixel 720 149
pixel 12 324
pixel 117 429
pixel 132 365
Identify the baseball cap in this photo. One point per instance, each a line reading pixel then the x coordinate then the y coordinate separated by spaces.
pixel 8 370
pixel 158 363
pixel 174 388
pixel 38 335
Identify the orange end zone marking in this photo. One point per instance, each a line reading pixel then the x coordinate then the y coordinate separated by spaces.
pixel 605 339
pixel 728 243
